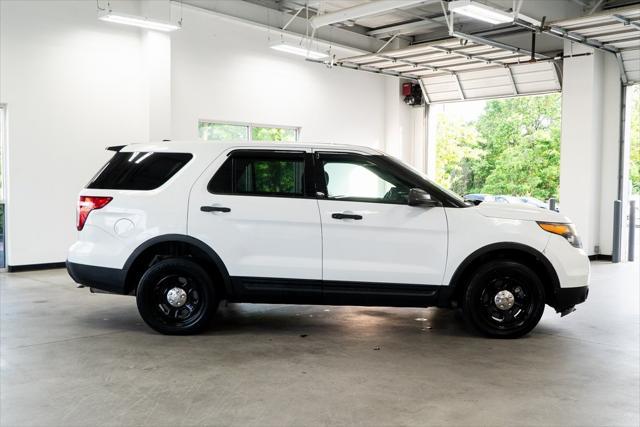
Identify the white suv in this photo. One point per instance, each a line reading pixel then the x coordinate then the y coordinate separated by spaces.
pixel 183 226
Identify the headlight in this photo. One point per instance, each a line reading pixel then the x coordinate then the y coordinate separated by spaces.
pixel 568 231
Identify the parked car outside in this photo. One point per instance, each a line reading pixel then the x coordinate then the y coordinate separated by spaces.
pixel 183 226
pixel 476 199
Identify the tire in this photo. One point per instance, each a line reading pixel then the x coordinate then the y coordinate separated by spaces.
pixel 504 315
pixel 176 297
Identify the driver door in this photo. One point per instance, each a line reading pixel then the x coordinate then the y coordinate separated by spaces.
pixel 371 237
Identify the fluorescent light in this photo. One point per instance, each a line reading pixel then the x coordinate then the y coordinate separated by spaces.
pixel 138 21
pixel 480 11
pixel 298 50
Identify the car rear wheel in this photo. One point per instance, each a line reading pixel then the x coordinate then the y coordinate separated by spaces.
pixel 176 297
pixel 504 299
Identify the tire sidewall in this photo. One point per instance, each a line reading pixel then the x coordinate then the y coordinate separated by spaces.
pixel 478 283
pixel 150 279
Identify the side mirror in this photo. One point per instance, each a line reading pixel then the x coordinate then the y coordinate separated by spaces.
pixel 419 197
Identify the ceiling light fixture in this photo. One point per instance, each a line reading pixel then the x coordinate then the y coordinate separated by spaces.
pixel 138 21
pixel 475 10
pixel 298 50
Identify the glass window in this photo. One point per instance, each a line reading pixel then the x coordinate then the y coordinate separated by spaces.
pixel 274 134
pixel 139 170
pixel 361 180
pixel 210 131
pixel 272 175
pixel 220 131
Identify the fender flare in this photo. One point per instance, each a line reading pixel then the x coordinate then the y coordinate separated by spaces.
pixel 182 238
pixel 454 284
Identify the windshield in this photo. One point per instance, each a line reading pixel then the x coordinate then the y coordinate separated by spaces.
pixel 449 193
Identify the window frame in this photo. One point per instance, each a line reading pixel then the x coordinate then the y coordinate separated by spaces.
pixel 250 127
pixel 392 165
pixel 308 190
pixel 357 158
pixel 187 158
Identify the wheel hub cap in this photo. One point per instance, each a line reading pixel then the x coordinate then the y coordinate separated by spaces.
pixel 176 297
pixel 504 300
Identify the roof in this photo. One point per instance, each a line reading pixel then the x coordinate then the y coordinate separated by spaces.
pixel 217 146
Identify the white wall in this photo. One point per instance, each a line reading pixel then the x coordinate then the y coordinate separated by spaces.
pixel 72 85
pixel 404 126
pixel 224 70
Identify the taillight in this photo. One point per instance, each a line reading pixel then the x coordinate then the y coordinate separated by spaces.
pixel 86 204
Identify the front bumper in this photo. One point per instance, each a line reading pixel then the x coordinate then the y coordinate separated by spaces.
pixel 566 298
pixel 103 278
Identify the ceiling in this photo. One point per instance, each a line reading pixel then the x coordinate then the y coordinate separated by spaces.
pixel 476 59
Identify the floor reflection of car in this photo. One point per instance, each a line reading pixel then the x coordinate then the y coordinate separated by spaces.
pixel 476 199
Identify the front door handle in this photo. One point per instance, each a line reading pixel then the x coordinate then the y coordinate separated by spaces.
pixel 214 209
pixel 345 216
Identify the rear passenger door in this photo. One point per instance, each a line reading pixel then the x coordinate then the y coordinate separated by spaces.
pixel 257 209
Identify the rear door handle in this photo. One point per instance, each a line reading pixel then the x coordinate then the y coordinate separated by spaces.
pixel 214 209
pixel 345 216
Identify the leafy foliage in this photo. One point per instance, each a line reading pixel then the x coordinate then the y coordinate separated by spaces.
pixel 513 148
pixel 273 134
pixel 634 169
pixel 212 131
pixel 223 132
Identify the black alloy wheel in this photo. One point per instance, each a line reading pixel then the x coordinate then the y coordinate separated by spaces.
pixel 176 297
pixel 504 299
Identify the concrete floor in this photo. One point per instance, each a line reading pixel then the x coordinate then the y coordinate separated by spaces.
pixel 69 357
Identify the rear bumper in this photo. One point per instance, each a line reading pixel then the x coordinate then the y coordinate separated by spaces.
pixel 103 278
pixel 566 298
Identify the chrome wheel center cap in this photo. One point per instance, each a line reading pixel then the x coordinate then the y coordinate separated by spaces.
pixel 504 300
pixel 177 297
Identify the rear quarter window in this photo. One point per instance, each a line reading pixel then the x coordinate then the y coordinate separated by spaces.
pixel 140 170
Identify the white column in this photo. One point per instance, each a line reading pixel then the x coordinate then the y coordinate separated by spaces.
pixel 405 127
pixel 156 47
pixel 590 144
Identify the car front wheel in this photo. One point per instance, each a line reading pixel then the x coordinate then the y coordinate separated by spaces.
pixel 504 299
pixel 176 297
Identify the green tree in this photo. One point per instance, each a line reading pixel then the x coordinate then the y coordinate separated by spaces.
pixel 456 153
pixel 513 148
pixel 520 143
pixel 634 169
pixel 273 134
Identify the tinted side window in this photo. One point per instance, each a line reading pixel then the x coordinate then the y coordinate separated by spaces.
pixel 360 180
pixel 139 170
pixel 273 175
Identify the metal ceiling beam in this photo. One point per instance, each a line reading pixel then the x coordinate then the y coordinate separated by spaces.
pixel 623 71
pixel 608 33
pixel 627 21
pixel 489 42
pixel 577 38
pixel 403 28
pixel 414 64
pixel 595 7
pixel 513 81
pixel 353 66
pixel 425 95
pixel 460 91
pixel 469 56
pixel 452 66
pixel 429 54
pixel 361 11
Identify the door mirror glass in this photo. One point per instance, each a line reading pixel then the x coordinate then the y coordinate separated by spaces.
pixel 419 197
